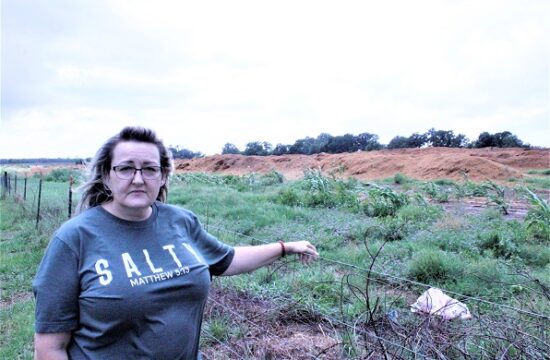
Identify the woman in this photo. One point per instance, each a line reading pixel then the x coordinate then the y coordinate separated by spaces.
pixel 128 277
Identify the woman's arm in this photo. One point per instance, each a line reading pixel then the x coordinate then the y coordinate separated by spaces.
pixel 51 346
pixel 250 258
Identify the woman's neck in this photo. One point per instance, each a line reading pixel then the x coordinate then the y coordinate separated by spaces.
pixel 129 214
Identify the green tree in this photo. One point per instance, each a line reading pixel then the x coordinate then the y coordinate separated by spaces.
pixel 367 142
pixel 342 143
pixel 281 149
pixel 258 148
pixel 321 142
pixel 230 149
pixel 502 140
pixel 446 138
pixel 398 142
pixel 303 146
pixel 506 139
pixel 183 153
pixel 417 140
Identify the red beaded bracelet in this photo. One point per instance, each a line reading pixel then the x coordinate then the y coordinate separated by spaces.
pixel 282 248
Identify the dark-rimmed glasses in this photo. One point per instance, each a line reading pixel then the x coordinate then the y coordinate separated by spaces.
pixel 127 172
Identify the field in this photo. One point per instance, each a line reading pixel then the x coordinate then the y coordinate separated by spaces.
pixel 385 236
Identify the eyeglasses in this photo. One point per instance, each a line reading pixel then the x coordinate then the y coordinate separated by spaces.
pixel 127 172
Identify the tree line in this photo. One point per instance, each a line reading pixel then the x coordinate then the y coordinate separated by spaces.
pixel 367 142
pixel 334 144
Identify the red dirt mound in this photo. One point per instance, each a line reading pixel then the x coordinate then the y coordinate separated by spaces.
pixel 425 164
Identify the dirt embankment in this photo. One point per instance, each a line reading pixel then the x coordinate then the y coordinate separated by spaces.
pixel 426 164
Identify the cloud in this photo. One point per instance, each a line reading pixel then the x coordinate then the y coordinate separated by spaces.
pixel 207 74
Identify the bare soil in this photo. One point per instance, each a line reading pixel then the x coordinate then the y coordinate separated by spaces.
pixel 423 164
pixel 267 331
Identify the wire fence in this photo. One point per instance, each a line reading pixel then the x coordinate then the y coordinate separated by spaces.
pixel 387 327
pixel 382 327
pixel 28 191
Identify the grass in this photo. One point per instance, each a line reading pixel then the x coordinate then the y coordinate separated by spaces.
pixel 389 226
pixel 539 172
pixel 538 183
pixel 16 327
pixel 21 248
pixel 22 245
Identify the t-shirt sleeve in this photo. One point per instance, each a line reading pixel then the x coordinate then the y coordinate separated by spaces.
pixel 56 288
pixel 217 255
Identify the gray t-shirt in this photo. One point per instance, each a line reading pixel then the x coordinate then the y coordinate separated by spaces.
pixel 129 289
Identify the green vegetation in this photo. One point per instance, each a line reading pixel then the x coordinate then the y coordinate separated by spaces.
pixel 366 142
pixel 63 175
pixel 539 172
pixel 376 241
pixel 538 218
pixel 21 248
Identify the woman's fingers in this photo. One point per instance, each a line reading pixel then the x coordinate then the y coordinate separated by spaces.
pixel 304 249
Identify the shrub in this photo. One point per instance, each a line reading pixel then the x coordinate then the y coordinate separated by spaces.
pixel 344 197
pixel 320 199
pixel 319 191
pixel 439 266
pixel 289 197
pixel 383 202
pixel 435 192
pixel 271 178
pixel 485 276
pixel 534 255
pixel 62 175
pixel 315 181
pixel 400 179
pixel 497 242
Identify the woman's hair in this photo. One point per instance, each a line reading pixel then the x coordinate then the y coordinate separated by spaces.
pixel 95 192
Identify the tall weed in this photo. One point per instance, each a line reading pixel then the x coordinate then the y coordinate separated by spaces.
pixel 538 217
pixel 382 201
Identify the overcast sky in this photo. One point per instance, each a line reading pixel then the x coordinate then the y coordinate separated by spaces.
pixel 206 73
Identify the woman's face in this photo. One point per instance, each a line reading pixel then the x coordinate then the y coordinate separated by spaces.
pixel 134 191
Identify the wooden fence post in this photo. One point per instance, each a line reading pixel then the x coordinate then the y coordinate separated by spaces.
pixel 15 185
pixel 39 196
pixel 9 185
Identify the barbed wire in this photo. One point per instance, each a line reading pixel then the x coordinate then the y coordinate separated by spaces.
pixel 341 263
pixel 211 336
pixel 242 317
pixel 326 316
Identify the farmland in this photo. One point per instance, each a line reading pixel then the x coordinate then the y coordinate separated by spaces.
pixel 386 232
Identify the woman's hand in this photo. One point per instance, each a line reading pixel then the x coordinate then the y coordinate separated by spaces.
pixel 304 249
pixel 250 258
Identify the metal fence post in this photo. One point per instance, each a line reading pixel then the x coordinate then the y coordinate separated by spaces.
pixel 15 184
pixel 39 196
pixel 4 182
pixel 70 196
pixel 25 189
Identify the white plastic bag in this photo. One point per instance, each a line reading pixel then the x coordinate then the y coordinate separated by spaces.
pixel 435 302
